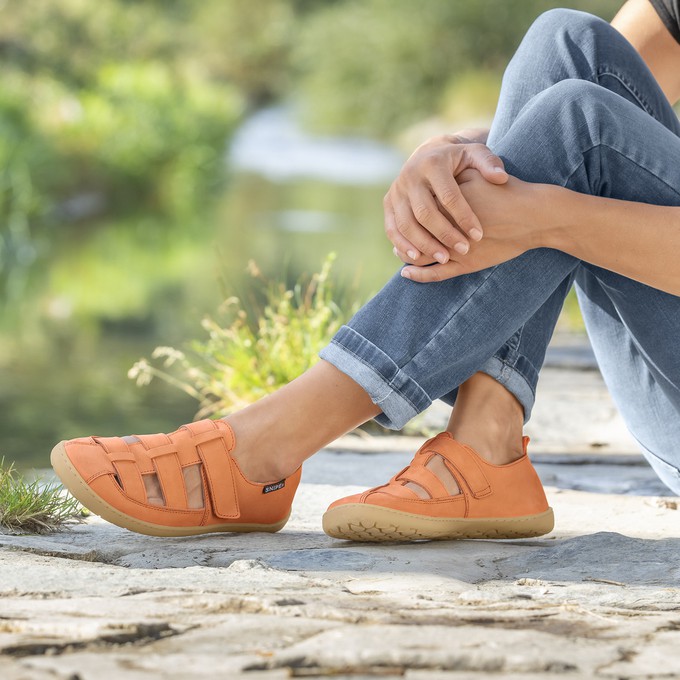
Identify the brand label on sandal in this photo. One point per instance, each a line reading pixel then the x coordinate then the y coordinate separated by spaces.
pixel 274 487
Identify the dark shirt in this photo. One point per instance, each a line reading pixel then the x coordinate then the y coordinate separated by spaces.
pixel 669 13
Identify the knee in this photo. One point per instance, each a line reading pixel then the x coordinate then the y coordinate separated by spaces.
pixel 573 104
pixel 566 37
pixel 555 24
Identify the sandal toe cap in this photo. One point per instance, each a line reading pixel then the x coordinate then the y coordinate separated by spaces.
pixel 88 458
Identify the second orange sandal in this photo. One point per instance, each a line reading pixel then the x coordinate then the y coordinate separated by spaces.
pixel 495 501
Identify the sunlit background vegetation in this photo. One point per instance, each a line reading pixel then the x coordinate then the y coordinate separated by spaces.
pixel 150 148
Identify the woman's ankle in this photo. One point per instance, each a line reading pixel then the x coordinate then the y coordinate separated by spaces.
pixel 488 418
pixel 259 457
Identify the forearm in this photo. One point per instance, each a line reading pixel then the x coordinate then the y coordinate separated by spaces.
pixel 637 240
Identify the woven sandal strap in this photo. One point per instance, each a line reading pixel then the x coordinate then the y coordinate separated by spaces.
pixel 426 479
pixel 205 441
pixel 171 480
pixel 131 479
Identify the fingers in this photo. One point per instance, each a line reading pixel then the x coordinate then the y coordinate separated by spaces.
pixel 436 272
pixel 489 165
pixel 449 195
pixel 421 261
pixel 402 245
pixel 408 235
pixel 426 210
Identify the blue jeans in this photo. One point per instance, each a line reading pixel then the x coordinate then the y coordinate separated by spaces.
pixel 580 109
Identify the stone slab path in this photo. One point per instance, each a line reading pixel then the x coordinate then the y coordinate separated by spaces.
pixel 598 598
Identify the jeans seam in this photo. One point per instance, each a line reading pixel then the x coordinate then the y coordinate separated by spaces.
pixel 606 71
pixel 392 388
pixel 623 155
pixel 510 367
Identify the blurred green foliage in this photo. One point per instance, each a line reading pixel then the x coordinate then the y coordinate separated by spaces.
pixel 114 119
pixel 258 346
pixel 98 99
pixel 121 106
pixel 376 66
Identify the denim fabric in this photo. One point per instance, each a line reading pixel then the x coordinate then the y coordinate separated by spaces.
pixel 579 109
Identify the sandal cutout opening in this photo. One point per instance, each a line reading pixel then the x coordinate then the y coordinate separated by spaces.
pixel 193 483
pixel 154 492
pixel 421 491
pixel 116 479
pixel 437 465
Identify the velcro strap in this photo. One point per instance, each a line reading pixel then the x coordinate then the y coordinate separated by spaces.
pixel 220 475
pixel 464 462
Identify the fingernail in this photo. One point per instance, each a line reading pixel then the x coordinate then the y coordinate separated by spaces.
pixel 475 234
pixel 394 250
pixel 442 258
pixel 412 254
pixel 405 273
pixel 497 169
pixel 462 248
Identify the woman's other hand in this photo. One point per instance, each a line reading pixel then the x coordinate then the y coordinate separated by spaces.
pixel 426 215
pixel 511 216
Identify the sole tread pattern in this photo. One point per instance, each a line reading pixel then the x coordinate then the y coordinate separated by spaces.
pixel 375 524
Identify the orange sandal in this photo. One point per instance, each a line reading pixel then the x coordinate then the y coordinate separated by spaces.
pixel 495 501
pixel 141 483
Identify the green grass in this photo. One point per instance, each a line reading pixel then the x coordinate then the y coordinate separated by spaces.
pixel 253 348
pixel 34 507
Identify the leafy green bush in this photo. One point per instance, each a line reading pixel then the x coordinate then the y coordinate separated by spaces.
pixel 105 100
pixel 151 133
pixel 256 348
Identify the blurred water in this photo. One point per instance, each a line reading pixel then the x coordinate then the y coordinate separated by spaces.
pixel 101 294
pixel 272 144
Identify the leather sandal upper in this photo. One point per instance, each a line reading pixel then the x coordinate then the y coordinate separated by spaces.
pixel 114 467
pixel 486 490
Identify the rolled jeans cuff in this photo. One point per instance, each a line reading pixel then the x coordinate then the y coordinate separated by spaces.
pixel 399 397
pixel 514 380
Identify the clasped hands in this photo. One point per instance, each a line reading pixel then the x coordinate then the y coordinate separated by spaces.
pixel 454 210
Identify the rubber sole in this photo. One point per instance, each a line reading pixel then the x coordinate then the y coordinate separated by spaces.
pixel 374 524
pixel 77 486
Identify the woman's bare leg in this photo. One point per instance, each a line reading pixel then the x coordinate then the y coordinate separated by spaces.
pixel 276 434
pixel 488 417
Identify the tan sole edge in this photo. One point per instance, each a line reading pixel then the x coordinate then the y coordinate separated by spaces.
pixel 77 486
pixel 373 523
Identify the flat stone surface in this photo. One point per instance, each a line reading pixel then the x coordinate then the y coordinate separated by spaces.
pixel 600 597
pixel 597 598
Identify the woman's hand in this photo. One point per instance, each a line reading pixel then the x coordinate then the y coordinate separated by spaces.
pixel 426 215
pixel 510 215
